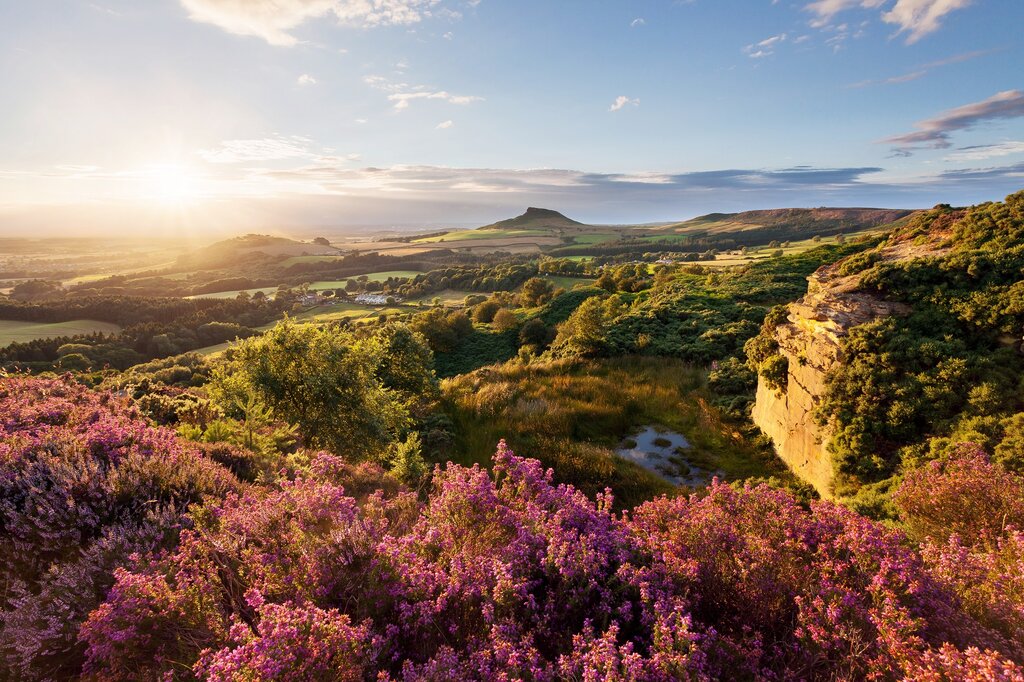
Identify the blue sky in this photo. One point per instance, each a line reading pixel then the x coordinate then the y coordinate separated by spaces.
pixel 296 114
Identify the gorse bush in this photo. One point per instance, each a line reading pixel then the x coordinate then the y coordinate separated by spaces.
pixel 696 314
pixel 344 393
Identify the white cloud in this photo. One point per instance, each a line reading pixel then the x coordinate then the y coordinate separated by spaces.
pixel 639 21
pixel 105 10
pixel 765 48
pixel 622 101
pixel 265 149
pixel 987 151
pixel 306 79
pixel 918 18
pixel 273 20
pixel 402 94
pixel 402 99
pixel 444 125
pixel 382 83
pixel 825 10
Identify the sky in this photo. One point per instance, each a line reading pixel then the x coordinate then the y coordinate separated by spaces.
pixel 226 116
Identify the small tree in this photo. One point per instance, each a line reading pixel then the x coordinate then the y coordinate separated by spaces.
pixel 317 379
pixel 505 320
pixel 536 334
pixel 485 312
pixel 536 291
pixel 407 463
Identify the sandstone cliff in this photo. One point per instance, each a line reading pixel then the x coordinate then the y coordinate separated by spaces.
pixel 811 340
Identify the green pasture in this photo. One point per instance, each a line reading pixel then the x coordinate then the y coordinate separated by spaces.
pixel 17 331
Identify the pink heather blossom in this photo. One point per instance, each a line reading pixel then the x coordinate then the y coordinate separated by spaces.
pixel 130 555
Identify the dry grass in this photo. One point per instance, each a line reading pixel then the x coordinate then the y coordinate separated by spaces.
pixel 571 415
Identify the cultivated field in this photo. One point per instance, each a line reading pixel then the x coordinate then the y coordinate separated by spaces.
pixel 16 331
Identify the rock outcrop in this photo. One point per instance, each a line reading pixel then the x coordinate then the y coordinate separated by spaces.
pixel 811 340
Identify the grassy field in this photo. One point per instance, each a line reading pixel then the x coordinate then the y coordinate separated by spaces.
pixel 568 282
pixel 373 277
pixel 346 311
pixel 231 294
pixel 320 285
pixel 727 260
pixel 595 238
pixel 449 297
pixel 308 259
pixel 16 331
pixel 84 279
pixel 472 235
pixel 571 416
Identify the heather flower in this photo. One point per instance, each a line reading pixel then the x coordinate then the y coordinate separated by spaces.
pixel 85 482
pixel 291 643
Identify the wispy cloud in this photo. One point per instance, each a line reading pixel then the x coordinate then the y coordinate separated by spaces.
pixel 402 99
pixel 639 21
pixel 622 102
pixel 982 152
pixel 1013 173
pixel 343 179
pixel 765 48
pixel 445 125
pixel 826 10
pixel 273 20
pixel 104 9
pixel 935 132
pixel 265 149
pixel 922 70
pixel 303 193
pixel 306 79
pixel 403 94
pixel 915 18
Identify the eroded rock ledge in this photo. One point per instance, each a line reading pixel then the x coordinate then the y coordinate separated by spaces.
pixel 811 340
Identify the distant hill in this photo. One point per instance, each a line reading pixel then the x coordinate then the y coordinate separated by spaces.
pixel 789 222
pixel 535 219
pixel 252 247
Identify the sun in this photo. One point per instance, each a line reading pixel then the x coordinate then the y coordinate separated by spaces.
pixel 171 184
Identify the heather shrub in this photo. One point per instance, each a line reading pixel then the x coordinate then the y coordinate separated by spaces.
pixel 130 554
pixel 505 575
pixel 292 643
pixel 969 512
pixel 774 589
pixel 84 483
pixel 963 494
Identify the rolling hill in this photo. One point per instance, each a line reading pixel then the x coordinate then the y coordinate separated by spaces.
pixel 253 247
pixel 787 223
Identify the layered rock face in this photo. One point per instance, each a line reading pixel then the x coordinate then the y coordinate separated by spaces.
pixel 811 340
